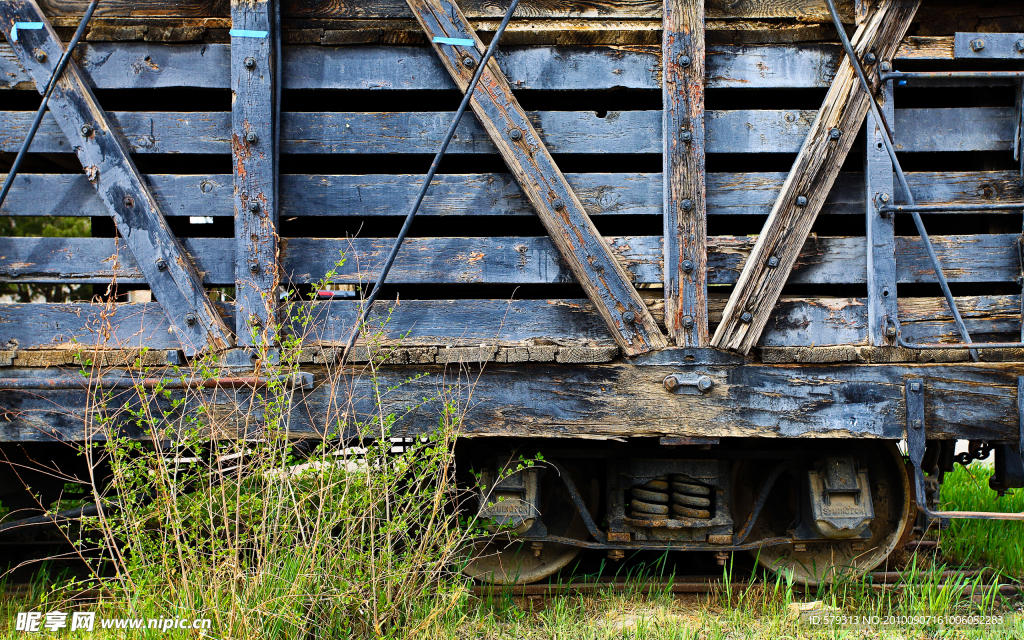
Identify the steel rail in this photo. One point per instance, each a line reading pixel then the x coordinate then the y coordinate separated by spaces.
pixel 368 303
pixel 887 139
pixel 943 208
pixel 58 71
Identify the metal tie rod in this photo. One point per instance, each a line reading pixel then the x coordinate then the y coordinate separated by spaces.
pixel 884 127
pixel 427 180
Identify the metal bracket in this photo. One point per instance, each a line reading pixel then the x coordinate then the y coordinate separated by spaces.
pixel 988 46
pixel 916 441
pixel 675 382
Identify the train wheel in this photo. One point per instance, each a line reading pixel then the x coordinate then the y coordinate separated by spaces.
pixel 815 563
pixel 510 560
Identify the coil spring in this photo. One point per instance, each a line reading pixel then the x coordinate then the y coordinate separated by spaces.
pixel 654 500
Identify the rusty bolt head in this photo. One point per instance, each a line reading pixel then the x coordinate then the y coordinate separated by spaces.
pixel 250 63
pixel 773 262
pixel 885 66
pixel 686 136
pixel 687 266
pixel 252 138
pixel 558 204
pixel 515 135
pixel 40 55
pixel 469 62
pixel 629 317
pixel 915 387
pixel 884 197
pixel 86 130
pixel 684 61
pixel 686 205
pixel 190 319
pixel 687 322
pixel 977 44
pixel 254 205
pixel 834 133
pixel 870 58
pixel 704 384
pixel 801 201
pixel 671 383
pixel 746 317
pixel 890 331
pixel 128 202
pixel 161 265
pixel 254 267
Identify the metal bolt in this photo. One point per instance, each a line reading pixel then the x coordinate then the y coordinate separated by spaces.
pixel 469 62
pixel 40 55
pixel 746 317
pixel 890 331
pixel 86 130
pixel 629 317
pixel 128 202
pixel 870 58
pixel 801 201
pixel 687 266
pixel 686 205
pixel 721 557
pixel 250 63
pixel 515 135
pixel 558 204
pixel 687 322
pixel 252 138
pixel 884 197
pixel 684 61
pixel 190 319
pixel 704 384
pixel 773 262
pixel 834 133
pixel 686 136
pixel 671 383
pixel 885 66
pixel 161 265
pixel 915 387
pixel 1020 46
pixel 254 205
pixel 254 267
pixel 977 44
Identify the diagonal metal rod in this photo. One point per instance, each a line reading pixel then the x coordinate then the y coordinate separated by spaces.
pixel 427 180
pixel 62 64
pixel 884 127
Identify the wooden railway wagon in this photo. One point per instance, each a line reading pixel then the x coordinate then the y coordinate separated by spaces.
pixel 670 245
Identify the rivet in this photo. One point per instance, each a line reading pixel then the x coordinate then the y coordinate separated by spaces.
pixel 687 266
pixel 801 201
pixel 834 133
pixel 977 44
pixel 254 267
pixel 252 138
pixel 686 136
pixel 686 205
pixel 254 206
pixel 684 61
pixel 558 204
pixel 128 202
pixel 870 58
pixel 161 265
pixel 687 322
pixel 746 317
pixel 469 62
pixel 515 134
pixel 773 262
pixel 250 63
pixel 86 130
pixel 40 55
pixel 190 319
pixel 629 317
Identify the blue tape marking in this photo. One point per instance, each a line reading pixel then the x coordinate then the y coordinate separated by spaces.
pixel 246 33
pixel 465 42
pixel 903 82
pixel 24 25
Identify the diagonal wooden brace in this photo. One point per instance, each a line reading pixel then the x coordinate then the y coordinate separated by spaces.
pixel 577 239
pixel 140 223
pixel 816 167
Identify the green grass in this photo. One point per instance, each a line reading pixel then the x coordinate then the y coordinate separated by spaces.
pixel 993 543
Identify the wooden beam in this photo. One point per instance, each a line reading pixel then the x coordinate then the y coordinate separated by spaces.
pixel 591 261
pixel 827 144
pixel 685 214
pixel 254 140
pixel 109 167
pixel 881 240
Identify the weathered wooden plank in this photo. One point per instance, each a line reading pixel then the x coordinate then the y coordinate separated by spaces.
pixel 491 194
pixel 146 65
pixel 753 131
pixel 509 260
pixel 880 240
pixel 254 162
pixel 540 179
pixel 118 183
pixel 685 215
pixel 828 142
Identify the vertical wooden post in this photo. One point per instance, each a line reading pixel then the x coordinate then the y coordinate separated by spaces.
pixel 685 215
pixel 253 151
pixel 881 242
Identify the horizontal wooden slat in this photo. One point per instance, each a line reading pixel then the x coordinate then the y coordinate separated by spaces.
pixel 144 65
pixel 519 260
pixel 490 194
pixel 760 131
